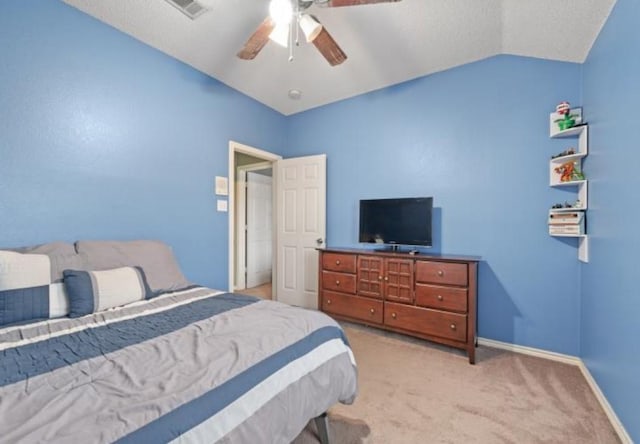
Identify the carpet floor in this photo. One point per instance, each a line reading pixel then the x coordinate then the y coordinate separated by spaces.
pixel 412 391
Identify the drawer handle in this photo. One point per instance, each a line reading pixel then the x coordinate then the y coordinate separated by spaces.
pixel 453 326
pixel 440 273
pixel 386 278
pixel 393 315
pixel 379 278
pixel 337 262
pixel 372 311
pixel 337 282
pixel 439 297
pixel 328 301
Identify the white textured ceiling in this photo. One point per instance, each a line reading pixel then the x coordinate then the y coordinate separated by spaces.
pixel 386 44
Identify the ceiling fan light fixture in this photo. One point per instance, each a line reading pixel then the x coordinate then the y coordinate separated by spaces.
pixel 281 11
pixel 280 34
pixel 310 27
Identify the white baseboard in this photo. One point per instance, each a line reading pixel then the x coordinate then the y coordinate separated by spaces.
pixel 611 414
pixel 553 356
pixel 573 360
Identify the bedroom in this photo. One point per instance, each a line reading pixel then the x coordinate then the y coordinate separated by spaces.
pixel 103 137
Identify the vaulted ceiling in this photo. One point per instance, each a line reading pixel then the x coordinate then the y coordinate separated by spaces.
pixel 386 43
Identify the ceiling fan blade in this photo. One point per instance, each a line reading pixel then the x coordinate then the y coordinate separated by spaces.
pixel 336 3
pixel 257 41
pixel 329 48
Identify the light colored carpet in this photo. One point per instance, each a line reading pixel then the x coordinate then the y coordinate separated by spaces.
pixel 412 391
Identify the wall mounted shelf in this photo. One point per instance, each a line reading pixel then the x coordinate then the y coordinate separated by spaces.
pixel 582 133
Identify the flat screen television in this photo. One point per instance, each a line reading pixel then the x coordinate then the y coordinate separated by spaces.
pixel 404 221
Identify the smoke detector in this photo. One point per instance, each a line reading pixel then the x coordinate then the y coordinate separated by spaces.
pixel 295 94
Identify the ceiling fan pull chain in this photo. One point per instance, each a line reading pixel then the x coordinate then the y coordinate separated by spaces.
pixel 291 25
pixel 297 25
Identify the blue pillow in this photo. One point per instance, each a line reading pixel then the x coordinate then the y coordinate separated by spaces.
pixel 93 291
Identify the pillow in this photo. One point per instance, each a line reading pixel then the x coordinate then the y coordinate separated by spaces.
pixel 26 290
pixel 156 259
pixel 62 255
pixel 93 291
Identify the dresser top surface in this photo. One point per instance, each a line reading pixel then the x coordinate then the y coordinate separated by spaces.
pixel 403 254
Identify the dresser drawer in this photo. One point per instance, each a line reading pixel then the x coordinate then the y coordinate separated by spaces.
pixel 365 309
pixel 423 320
pixel 443 298
pixel 339 281
pixel 345 263
pixel 442 273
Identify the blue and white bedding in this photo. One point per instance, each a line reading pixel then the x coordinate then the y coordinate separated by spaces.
pixel 189 366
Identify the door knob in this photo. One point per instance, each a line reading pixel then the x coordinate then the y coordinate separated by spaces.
pixel 319 241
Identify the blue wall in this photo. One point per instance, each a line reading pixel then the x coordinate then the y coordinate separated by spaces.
pixel 477 139
pixel 104 137
pixel 611 305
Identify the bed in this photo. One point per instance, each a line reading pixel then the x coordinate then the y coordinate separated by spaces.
pixel 183 364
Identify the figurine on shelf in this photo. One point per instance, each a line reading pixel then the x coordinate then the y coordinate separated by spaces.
pixel 566 171
pixel 567 121
pixel 566 205
pixel 577 173
pixel 567 152
pixel 569 172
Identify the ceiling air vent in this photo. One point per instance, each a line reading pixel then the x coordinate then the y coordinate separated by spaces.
pixel 190 8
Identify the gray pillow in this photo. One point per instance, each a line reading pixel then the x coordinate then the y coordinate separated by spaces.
pixel 154 257
pixel 62 255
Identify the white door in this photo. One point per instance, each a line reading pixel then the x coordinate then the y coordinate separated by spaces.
pixel 259 239
pixel 300 228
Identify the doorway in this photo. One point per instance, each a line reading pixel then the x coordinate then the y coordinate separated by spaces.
pixel 298 224
pixel 252 265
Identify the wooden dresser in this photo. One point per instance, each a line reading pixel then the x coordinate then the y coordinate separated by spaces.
pixel 428 296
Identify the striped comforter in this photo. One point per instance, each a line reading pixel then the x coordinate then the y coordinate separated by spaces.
pixel 191 366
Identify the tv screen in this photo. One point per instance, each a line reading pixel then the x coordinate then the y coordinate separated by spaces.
pixel 396 221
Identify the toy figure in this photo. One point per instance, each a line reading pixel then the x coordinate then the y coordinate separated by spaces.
pixel 566 171
pixel 569 172
pixel 564 109
pixel 567 152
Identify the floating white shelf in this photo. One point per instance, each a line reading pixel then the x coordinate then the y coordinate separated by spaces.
pixel 569 158
pixel 571 132
pixel 583 245
pixel 566 210
pixel 568 184
pixel 582 133
pixel 568 235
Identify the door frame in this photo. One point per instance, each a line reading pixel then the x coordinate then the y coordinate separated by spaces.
pixel 241 219
pixel 235 147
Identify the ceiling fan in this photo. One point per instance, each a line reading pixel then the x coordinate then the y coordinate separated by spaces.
pixel 287 17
